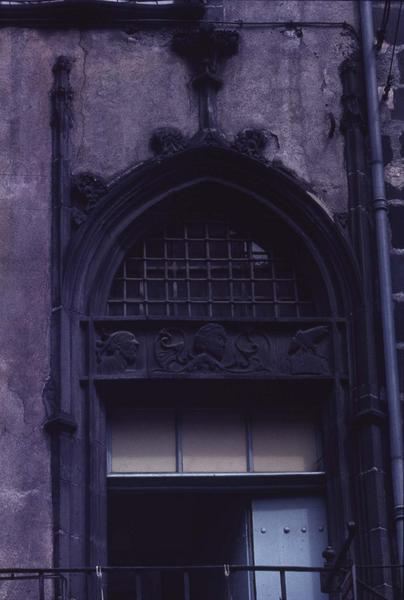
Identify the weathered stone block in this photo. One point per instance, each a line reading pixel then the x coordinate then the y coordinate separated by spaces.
pixel 400 357
pixel 387 151
pixel 394 193
pixel 400 60
pixel 399 318
pixel 397 226
pixel 398 111
pixel 397 272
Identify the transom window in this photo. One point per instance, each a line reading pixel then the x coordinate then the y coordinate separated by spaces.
pixel 211 440
pixel 208 269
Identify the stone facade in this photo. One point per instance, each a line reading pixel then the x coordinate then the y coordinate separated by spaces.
pixel 126 83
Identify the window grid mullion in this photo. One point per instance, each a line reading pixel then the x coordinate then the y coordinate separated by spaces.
pixel 166 282
pixel 187 274
pixel 125 295
pixel 249 441
pixel 145 281
pixel 234 277
pixel 179 456
pixel 209 271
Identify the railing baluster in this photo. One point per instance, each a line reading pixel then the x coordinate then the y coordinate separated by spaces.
pixel 138 586
pixel 63 587
pixel 187 587
pixel 227 587
pixel 282 576
pixel 41 586
pixel 353 575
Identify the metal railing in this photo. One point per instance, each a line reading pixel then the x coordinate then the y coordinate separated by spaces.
pixel 139 2
pixel 120 7
pixel 150 582
pixel 157 582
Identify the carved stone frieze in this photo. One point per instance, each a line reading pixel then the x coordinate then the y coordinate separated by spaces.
pixel 146 349
pixel 87 189
pixel 251 142
pixel 211 350
pixel 117 353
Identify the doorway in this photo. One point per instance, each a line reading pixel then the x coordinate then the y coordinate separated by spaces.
pixel 174 529
pixel 212 530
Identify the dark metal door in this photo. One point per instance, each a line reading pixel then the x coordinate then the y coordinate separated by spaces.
pixel 289 532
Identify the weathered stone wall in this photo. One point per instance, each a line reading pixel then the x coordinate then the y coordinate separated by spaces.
pixel 284 80
pixel 25 494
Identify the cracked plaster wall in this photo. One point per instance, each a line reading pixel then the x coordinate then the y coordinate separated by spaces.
pixel 125 86
pixel 25 495
pixel 294 92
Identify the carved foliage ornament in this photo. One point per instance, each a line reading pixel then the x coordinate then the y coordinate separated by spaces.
pixel 251 142
pixel 167 141
pixel 87 189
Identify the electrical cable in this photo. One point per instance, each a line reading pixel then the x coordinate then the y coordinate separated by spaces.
pixel 381 32
pixel 389 81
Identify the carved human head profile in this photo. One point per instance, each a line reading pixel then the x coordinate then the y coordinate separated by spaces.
pixel 211 339
pixel 118 352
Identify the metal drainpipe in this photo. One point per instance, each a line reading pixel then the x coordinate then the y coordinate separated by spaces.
pixel 384 272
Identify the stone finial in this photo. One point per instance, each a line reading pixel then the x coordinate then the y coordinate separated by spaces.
pixel 205 47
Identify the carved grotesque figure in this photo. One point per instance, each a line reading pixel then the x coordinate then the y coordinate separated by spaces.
pixel 117 353
pixel 305 351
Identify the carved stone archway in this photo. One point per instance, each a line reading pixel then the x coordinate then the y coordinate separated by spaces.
pixel 94 253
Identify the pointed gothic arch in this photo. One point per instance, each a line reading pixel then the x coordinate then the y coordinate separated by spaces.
pixel 97 249
pixel 135 193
